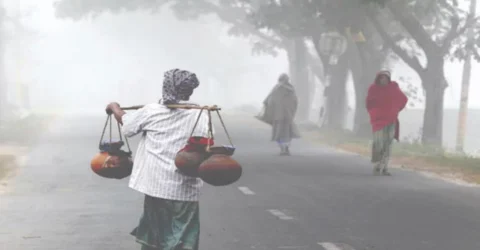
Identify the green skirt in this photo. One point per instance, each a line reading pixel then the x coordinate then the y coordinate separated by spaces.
pixel 382 144
pixel 168 225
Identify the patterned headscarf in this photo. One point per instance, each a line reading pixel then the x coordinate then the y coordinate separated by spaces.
pixel 178 85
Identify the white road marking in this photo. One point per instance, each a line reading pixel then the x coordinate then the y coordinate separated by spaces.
pixel 293 247
pixel 328 246
pixel 280 214
pixel 246 190
pixel 331 246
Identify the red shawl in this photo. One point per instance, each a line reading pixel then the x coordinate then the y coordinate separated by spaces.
pixel 384 103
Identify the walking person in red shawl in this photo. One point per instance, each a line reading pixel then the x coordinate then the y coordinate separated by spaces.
pixel 384 102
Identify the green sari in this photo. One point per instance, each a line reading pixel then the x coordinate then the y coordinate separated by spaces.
pixel 168 225
pixel 382 147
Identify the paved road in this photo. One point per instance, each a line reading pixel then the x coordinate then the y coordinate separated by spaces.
pixel 316 199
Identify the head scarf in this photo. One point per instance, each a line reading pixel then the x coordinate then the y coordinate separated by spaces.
pixel 178 85
pixel 284 78
pixel 383 73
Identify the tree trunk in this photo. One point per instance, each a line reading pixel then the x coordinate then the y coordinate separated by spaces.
pixel 298 66
pixel 3 83
pixel 364 66
pixel 361 126
pixel 26 97
pixel 316 67
pixel 336 94
pixel 434 86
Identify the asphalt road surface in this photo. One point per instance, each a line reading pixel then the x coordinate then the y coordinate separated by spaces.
pixel 316 199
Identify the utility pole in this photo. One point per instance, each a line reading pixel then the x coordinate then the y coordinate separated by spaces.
pixel 19 48
pixel 467 68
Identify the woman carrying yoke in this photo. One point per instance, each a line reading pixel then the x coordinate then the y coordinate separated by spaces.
pixel 170 219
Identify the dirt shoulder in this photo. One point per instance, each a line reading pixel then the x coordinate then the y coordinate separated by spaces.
pixel 15 140
pixel 432 161
pixel 7 164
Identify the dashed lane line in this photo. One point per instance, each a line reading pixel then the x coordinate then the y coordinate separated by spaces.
pixel 279 214
pixel 332 246
pixel 246 190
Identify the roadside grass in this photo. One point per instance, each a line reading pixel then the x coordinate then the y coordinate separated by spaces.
pixel 7 162
pixel 407 155
pixel 19 134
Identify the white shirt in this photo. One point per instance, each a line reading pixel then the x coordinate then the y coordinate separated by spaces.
pixel 164 133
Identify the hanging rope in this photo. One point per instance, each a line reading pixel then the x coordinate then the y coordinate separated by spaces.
pixel 121 139
pixel 196 122
pixel 210 130
pixel 103 132
pixel 108 123
pixel 225 128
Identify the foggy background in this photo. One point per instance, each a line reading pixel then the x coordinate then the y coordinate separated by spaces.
pixel 79 67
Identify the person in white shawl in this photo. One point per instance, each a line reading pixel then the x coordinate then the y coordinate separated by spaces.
pixel 280 108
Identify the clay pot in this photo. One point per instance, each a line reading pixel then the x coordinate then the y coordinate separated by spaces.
pixel 189 158
pixel 112 166
pixel 220 170
pixel 188 161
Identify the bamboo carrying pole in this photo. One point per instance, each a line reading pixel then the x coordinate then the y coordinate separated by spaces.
pixel 178 106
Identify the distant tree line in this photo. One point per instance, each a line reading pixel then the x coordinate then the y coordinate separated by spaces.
pixel 377 32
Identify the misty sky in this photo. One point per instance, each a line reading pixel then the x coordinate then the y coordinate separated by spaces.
pixel 80 65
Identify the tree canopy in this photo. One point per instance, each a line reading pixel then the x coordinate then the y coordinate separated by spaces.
pixel 414 30
pixel 232 12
